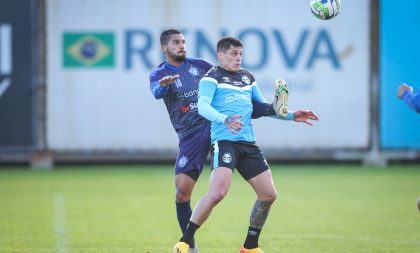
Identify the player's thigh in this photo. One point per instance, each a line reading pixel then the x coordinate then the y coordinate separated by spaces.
pixel 184 185
pixel 223 162
pixel 251 162
pixel 223 154
pixel 263 186
pixel 192 153
pixel 220 180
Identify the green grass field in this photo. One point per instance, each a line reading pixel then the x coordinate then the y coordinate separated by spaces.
pixel 325 209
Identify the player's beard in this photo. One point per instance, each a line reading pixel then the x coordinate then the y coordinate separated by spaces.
pixel 177 57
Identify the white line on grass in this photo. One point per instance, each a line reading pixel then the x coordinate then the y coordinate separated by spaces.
pixel 60 228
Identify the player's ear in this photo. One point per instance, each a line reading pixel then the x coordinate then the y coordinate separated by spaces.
pixel 163 48
pixel 219 55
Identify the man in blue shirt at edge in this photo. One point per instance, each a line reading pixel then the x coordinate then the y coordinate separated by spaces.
pixel 405 93
pixel 176 82
pixel 225 95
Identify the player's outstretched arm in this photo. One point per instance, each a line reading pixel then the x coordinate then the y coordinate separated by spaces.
pixel 405 93
pixel 168 80
pixel 415 101
pixel 304 116
pixel 159 86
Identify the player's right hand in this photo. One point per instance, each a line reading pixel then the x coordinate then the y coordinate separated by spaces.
pixel 233 124
pixel 304 116
pixel 168 80
pixel 403 87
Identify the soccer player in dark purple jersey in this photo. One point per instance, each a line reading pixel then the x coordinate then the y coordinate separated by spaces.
pixel 176 82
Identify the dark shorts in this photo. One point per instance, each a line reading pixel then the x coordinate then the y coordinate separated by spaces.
pixel 192 152
pixel 246 157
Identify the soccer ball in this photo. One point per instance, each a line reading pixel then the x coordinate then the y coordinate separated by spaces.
pixel 325 9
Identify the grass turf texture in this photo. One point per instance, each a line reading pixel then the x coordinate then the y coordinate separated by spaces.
pixel 325 209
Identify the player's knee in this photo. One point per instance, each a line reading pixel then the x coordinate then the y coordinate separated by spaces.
pixel 269 197
pixel 273 197
pixel 216 197
pixel 182 195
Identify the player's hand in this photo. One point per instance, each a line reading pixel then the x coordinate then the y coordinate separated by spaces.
pixel 233 124
pixel 403 87
pixel 304 116
pixel 168 80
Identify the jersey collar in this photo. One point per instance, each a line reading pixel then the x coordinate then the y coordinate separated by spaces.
pixel 170 66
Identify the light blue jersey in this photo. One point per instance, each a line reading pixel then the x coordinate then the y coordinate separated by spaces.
pixel 222 94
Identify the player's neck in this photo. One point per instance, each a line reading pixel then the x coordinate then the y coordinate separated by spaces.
pixel 173 62
pixel 226 68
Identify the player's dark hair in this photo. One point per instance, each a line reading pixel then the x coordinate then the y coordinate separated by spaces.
pixel 164 36
pixel 224 43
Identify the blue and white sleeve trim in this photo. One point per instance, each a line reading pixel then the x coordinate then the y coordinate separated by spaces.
pixel 290 116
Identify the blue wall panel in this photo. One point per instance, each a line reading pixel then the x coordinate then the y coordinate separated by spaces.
pixel 399 63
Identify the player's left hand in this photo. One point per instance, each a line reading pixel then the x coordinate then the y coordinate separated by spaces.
pixel 304 116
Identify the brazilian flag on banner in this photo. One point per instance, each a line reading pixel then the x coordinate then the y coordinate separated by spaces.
pixel 88 49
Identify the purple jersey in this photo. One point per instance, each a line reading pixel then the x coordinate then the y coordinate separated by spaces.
pixel 181 97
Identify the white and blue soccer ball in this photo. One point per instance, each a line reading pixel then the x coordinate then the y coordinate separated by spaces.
pixel 325 9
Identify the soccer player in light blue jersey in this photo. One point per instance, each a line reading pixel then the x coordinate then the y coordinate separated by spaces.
pixel 176 82
pixel 225 95
pixel 405 92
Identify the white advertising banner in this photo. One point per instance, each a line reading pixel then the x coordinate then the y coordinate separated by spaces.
pixel 100 54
